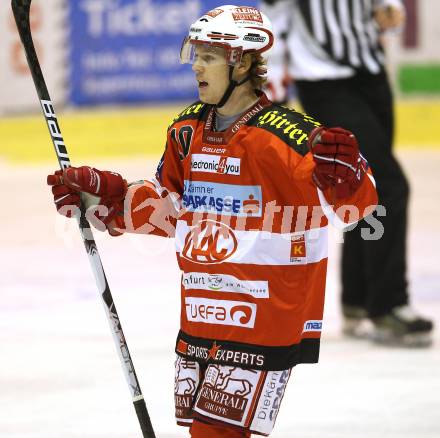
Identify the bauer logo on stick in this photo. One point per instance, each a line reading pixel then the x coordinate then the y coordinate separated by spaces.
pixel 55 132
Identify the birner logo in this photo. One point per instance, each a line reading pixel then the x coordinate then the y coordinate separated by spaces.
pixel 209 242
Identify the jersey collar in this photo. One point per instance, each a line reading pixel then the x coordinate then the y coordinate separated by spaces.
pixel 212 137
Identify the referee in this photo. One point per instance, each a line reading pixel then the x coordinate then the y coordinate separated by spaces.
pixel 332 49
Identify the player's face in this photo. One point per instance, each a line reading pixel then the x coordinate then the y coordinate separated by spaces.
pixel 212 73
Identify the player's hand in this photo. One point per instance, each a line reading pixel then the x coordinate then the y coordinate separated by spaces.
pixel 67 185
pixel 338 163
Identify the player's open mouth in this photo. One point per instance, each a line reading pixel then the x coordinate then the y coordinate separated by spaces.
pixel 203 84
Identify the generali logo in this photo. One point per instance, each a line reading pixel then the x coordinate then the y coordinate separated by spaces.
pixel 209 242
pixel 235 313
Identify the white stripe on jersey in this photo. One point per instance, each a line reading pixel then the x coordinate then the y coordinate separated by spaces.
pixel 265 248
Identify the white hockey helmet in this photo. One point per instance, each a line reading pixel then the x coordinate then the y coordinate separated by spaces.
pixel 236 29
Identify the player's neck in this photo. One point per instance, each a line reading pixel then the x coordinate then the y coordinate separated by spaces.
pixel 242 98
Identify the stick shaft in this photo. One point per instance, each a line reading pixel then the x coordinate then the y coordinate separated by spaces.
pixel 21 10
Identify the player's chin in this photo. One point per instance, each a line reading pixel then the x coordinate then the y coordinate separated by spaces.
pixel 205 98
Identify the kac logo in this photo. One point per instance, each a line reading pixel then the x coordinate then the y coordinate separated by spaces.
pixel 209 242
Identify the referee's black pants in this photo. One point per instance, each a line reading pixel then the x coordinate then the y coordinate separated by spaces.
pixel 373 271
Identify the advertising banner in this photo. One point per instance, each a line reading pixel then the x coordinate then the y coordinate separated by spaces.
pixel 17 91
pixel 127 51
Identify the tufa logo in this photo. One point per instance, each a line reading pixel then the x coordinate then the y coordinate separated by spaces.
pixel 209 242
pixel 233 313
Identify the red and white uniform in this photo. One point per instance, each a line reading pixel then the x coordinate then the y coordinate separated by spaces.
pixel 250 233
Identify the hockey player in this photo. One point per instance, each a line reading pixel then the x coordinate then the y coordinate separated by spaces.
pixel 246 188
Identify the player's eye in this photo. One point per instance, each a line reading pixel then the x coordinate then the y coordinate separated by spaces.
pixel 208 58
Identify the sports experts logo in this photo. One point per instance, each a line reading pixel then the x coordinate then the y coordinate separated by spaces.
pixel 220 354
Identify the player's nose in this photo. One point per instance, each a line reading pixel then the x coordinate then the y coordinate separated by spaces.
pixel 197 68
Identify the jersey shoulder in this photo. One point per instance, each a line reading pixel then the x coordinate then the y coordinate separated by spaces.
pixel 288 125
pixel 192 112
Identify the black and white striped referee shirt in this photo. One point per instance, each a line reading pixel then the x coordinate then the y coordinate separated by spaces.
pixel 326 39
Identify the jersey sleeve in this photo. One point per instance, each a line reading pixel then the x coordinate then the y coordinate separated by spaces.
pixel 152 206
pixel 291 131
pixel 341 213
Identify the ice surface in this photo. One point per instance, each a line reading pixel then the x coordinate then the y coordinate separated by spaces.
pixel 60 376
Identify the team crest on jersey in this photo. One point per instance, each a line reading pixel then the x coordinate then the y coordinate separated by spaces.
pixel 209 242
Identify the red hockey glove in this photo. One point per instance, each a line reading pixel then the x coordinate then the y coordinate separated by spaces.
pixel 67 184
pixel 338 162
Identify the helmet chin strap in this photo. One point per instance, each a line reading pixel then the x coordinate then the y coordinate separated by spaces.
pixel 231 87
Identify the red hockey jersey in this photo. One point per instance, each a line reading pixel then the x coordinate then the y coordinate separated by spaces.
pixel 251 231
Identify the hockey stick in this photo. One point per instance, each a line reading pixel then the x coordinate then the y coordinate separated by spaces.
pixel 21 10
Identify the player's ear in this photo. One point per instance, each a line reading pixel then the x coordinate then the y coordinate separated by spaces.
pixel 243 68
pixel 246 63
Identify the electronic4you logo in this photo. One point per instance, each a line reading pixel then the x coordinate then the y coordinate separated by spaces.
pixel 236 313
pixel 209 242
